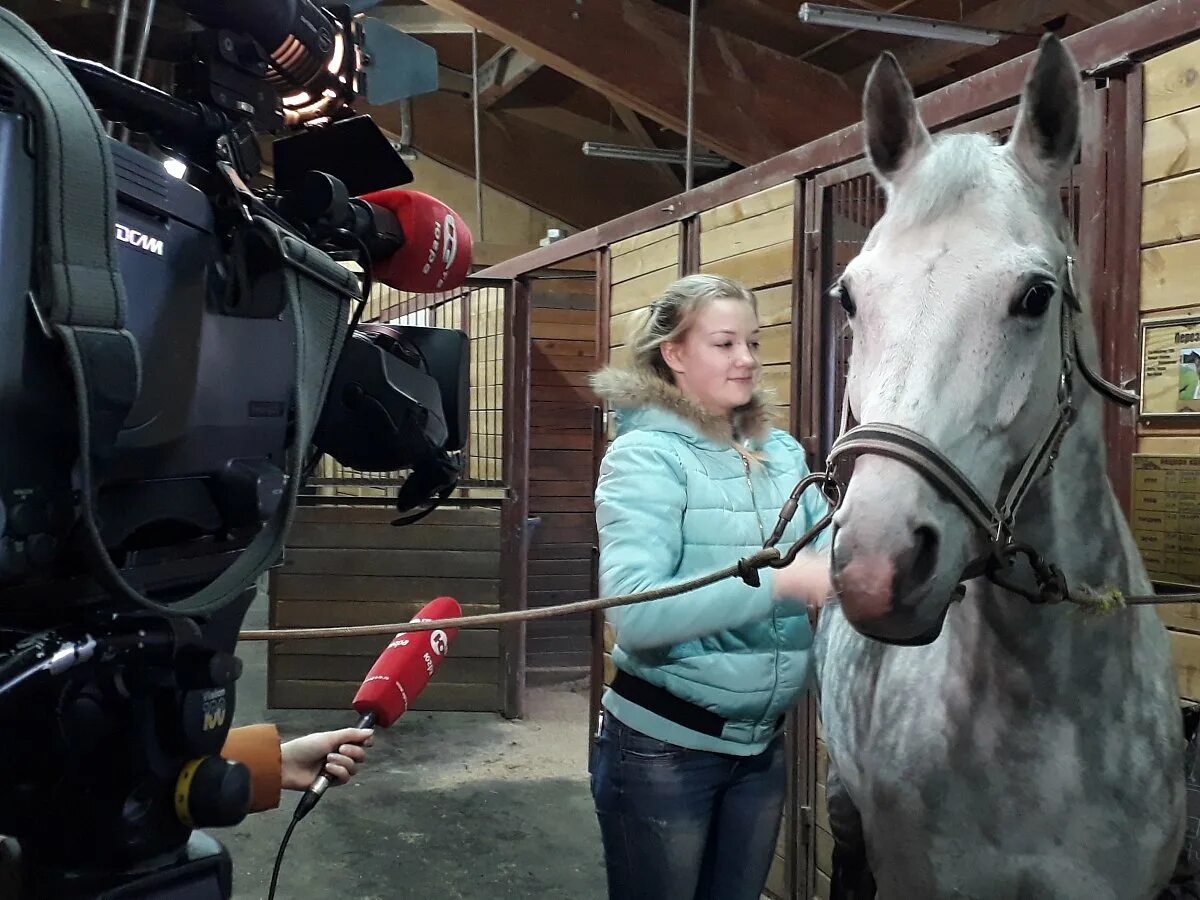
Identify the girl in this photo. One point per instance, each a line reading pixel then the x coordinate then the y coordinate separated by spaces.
pixel 689 771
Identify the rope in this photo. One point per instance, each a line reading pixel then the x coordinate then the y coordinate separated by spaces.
pixel 1105 601
pixel 741 569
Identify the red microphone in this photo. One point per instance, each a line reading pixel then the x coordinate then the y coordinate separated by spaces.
pixel 436 254
pixel 399 675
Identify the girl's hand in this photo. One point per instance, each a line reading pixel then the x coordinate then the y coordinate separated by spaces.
pixel 806 580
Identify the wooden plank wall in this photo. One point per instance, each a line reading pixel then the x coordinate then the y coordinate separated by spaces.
pixel 1170 258
pixel 641 268
pixel 563 353
pixel 347 565
pixel 751 240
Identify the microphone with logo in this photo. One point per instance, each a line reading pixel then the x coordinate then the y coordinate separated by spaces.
pixel 413 242
pixel 399 675
pixel 436 249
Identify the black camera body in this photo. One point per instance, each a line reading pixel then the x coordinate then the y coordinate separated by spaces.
pixel 202 451
pixel 115 695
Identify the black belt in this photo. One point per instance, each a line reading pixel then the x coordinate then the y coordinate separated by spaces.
pixel 663 703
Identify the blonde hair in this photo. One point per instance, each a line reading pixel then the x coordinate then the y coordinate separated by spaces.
pixel 670 316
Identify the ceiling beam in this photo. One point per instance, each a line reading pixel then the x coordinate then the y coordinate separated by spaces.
pixel 584 128
pixel 925 60
pixel 1093 12
pixel 504 73
pixel 454 80
pixel 641 138
pixel 751 102
pixel 538 166
pixel 419 20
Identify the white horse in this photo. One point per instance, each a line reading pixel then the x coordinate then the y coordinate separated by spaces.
pixel 1020 750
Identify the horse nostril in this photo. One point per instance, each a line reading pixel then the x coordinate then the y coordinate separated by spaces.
pixel 916 566
pixel 927 551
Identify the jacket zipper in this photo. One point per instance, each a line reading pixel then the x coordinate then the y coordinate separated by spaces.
pixel 753 502
pixel 774 621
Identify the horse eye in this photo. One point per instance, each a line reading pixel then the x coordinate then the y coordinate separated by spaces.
pixel 1036 300
pixel 845 298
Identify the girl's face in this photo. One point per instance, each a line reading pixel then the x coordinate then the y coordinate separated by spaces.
pixel 716 361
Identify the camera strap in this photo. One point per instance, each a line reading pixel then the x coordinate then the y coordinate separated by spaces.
pixel 80 297
pixel 81 301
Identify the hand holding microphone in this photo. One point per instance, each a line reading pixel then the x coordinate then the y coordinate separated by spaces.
pixel 396 680
pixel 337 753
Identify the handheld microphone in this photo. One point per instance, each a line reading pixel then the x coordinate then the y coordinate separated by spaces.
pixel 436 253
pixel 399 675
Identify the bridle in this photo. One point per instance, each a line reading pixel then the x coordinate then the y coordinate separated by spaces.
pixel 995 521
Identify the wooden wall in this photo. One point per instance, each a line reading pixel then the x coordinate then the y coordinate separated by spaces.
pixel 641 267
pixel 563 353
pixel 751 240
pixel 1170 259
pixel 348 566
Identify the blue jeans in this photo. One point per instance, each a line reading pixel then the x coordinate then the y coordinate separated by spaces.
pixel 681 824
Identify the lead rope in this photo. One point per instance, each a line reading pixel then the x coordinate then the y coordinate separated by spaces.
pixel 746 569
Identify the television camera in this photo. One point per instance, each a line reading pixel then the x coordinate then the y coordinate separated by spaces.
pixel 176 353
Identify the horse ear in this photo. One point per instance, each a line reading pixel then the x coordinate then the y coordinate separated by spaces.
pixel 1046 137
pixel 896 136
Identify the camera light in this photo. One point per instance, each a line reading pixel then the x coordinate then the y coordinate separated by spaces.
pixel 175 167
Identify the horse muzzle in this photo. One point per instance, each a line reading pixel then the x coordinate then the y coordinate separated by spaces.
pixel 891 567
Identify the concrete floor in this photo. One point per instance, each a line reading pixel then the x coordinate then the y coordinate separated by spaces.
pixel 449 805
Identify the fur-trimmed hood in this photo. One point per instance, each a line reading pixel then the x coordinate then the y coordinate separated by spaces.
pixel 629 392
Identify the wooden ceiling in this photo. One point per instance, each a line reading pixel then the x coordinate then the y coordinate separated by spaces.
pixel 556 73
pixel 616 71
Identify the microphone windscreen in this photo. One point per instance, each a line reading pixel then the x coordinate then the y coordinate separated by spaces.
pixel 436 255
pixel 406 665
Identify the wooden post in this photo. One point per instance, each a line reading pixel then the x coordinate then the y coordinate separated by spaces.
pixel 514 527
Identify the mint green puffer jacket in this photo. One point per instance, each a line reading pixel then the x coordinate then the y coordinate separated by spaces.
pixel 676 500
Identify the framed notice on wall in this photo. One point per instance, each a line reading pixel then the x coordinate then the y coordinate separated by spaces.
pixel 1171 367
pixel 1166 516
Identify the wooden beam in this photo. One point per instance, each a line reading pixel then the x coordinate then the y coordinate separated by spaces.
pixel 751 102
pixel 641 138
pixel 1093 12
pixel 420 20
pixel 454 80
pixel 584 128
pixel 504 73
pixel 925 60
pixel 536 165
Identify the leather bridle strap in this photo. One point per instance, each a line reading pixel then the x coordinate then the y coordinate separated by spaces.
pixel 911 448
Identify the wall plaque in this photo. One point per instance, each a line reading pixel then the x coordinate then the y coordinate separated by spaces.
pixel 1171 367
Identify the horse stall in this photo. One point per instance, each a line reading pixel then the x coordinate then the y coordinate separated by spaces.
pixel 786 227
pixel 346 564
pixel 1166 466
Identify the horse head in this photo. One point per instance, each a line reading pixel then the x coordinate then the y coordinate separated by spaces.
pixel 955 304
